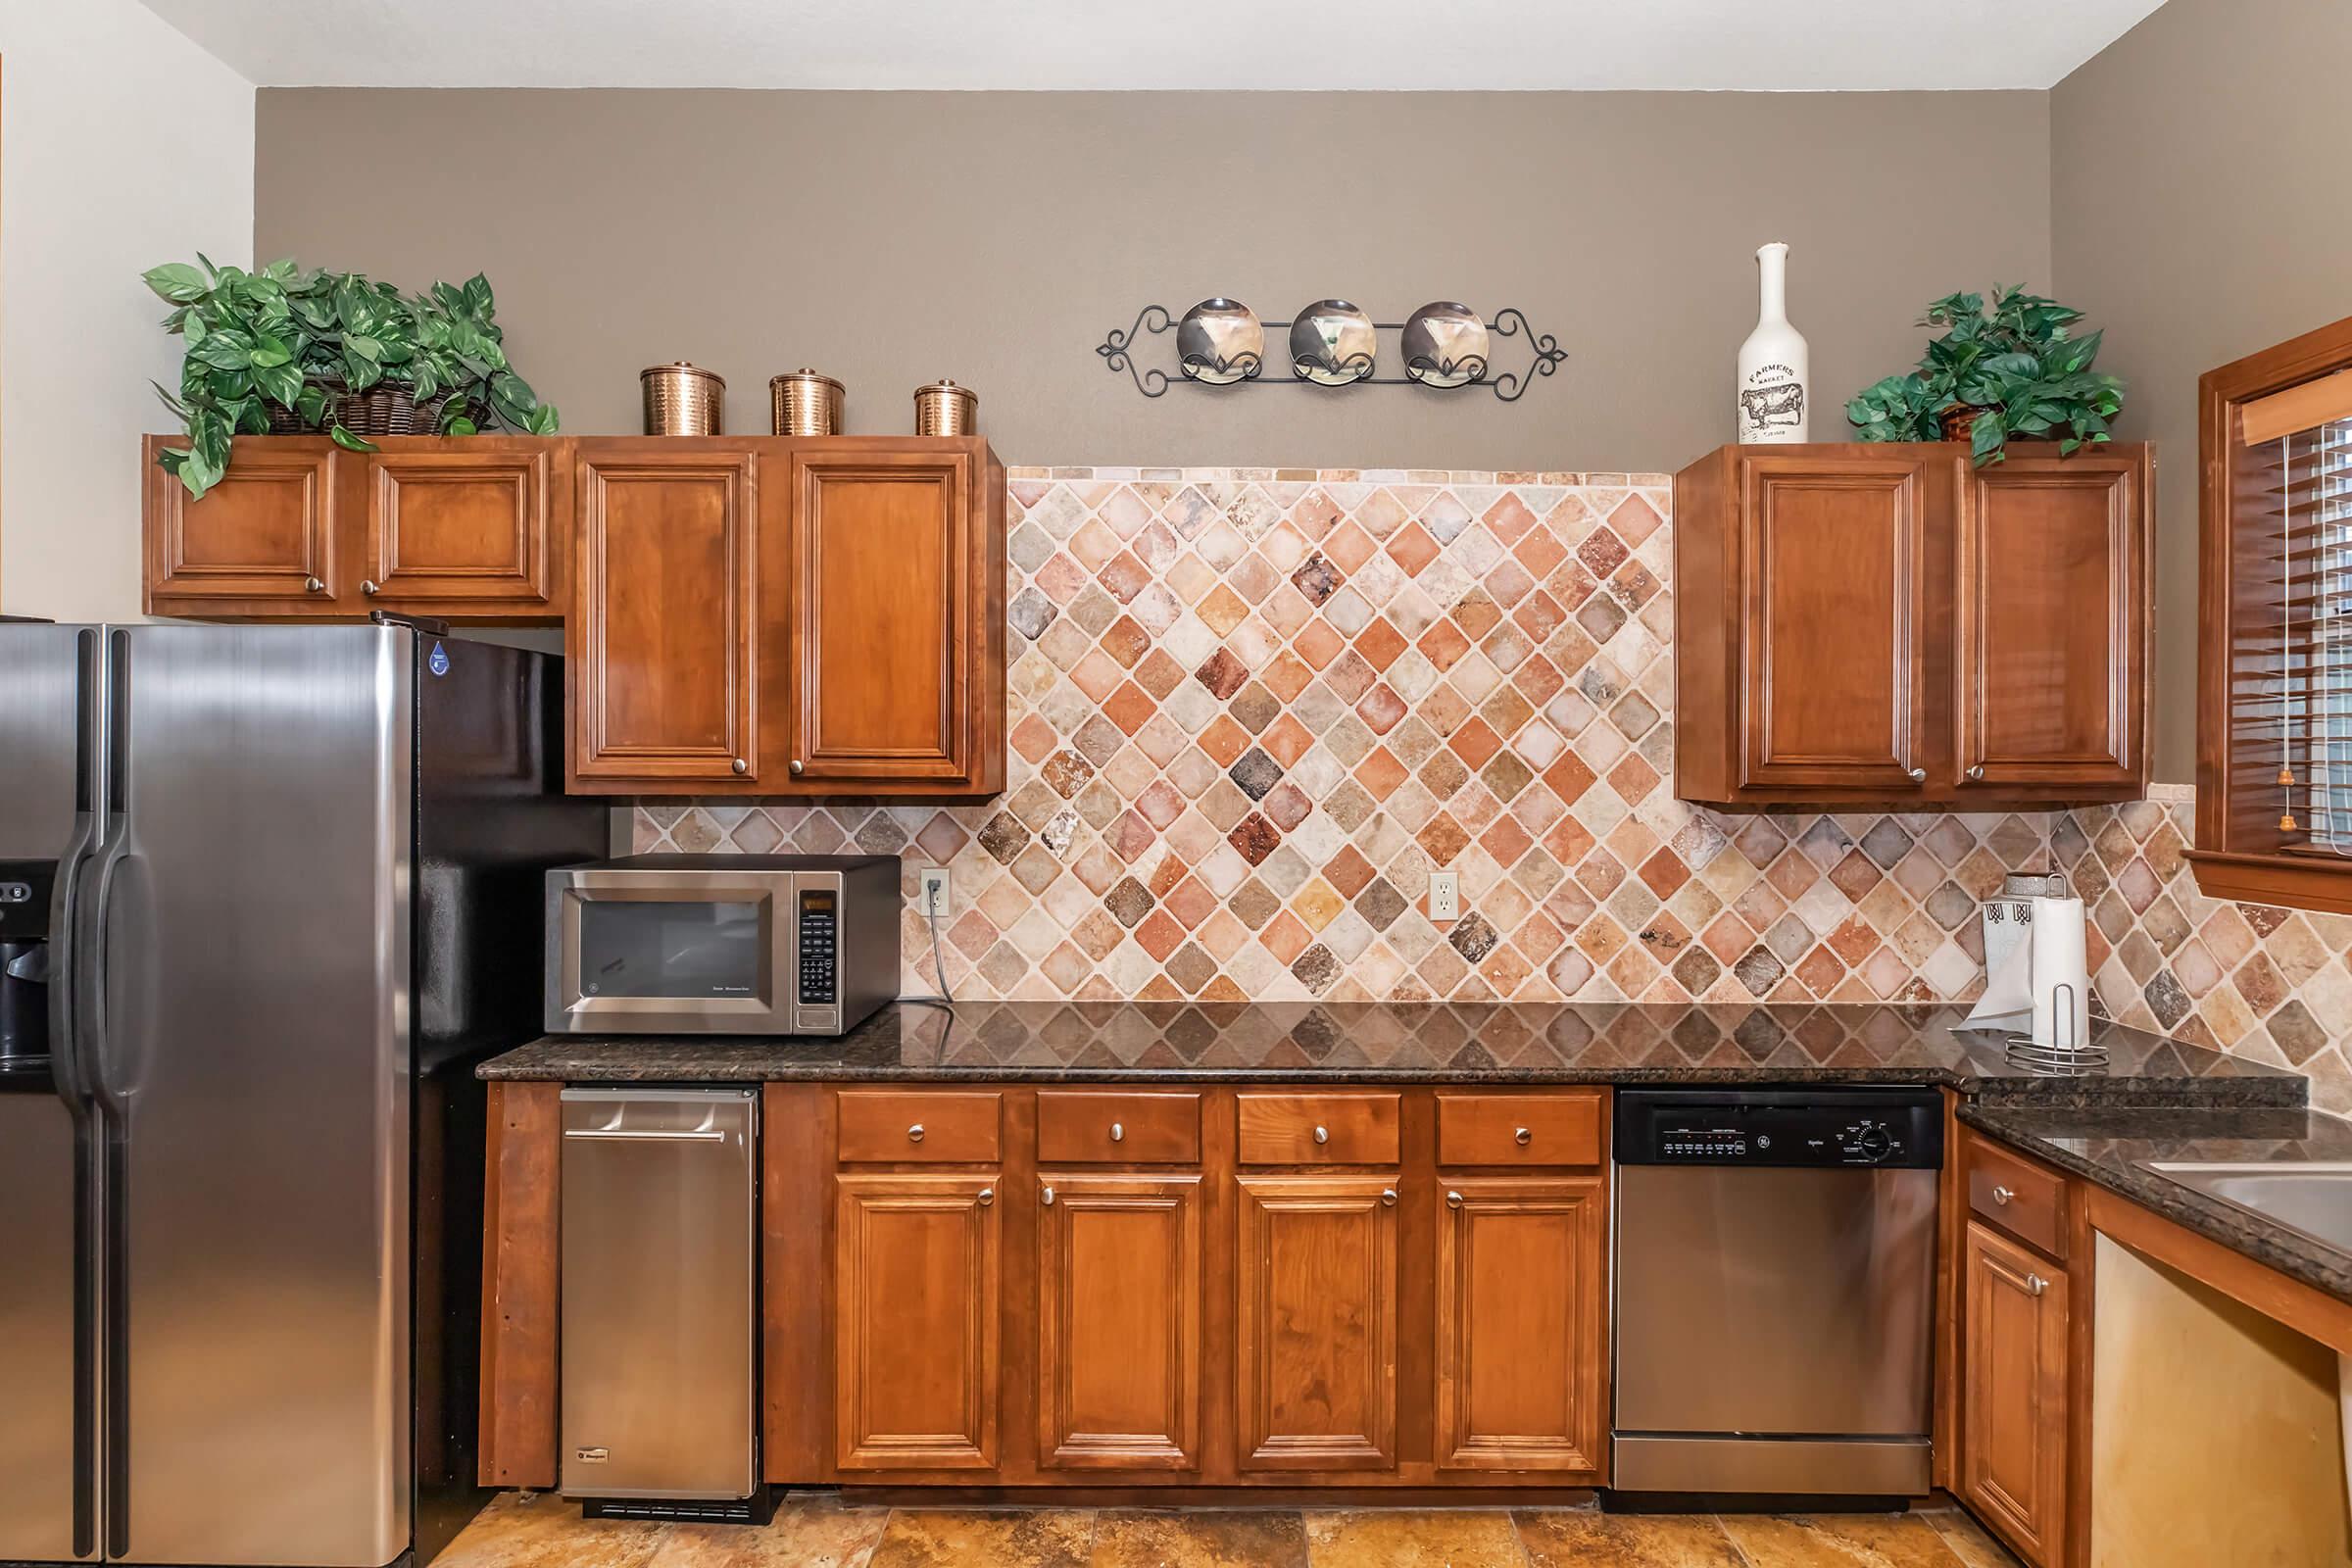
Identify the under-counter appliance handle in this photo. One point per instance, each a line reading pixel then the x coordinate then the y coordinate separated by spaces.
pixel 649 1135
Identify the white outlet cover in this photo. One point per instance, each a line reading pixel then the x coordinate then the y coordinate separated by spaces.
pixel 1445 896
pixel 935 890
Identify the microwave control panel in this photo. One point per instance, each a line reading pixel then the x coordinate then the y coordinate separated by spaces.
pixel 820 946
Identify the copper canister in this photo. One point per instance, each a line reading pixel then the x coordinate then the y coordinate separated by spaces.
pixel 805 403
pixel 945 408
pixel 682 399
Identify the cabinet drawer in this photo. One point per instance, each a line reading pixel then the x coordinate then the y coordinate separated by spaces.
pixel 1292 1129
pixel 1081 1126
pixel 2026 1202
pixel 1518 1129
pixel 939 1128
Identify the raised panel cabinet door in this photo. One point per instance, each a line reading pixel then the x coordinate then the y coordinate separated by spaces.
pixel 1316 1330
pixel 265 532
pixel 467 526
pixel 1831 621
pixel 887 559
pixel 2013 1399
pixel 1118 1262
pixel 1521 1336
pixel 917 1309
pixel 664 634
pixel 2052 620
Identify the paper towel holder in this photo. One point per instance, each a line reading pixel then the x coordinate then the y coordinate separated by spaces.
pixel 2072 1057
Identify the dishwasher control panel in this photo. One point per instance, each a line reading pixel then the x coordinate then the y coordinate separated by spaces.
pixel 1898 1129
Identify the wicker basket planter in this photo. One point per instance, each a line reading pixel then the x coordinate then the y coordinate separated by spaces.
pixel 384 409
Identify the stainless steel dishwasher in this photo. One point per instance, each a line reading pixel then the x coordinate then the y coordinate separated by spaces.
pixel 659 1314
pixel 1774 1291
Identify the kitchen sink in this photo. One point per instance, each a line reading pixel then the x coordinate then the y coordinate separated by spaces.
pixel 2313 1200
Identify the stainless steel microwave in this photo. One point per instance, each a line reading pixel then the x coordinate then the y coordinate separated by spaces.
pixel 721 944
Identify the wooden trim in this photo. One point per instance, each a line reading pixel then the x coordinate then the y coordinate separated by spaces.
pixel 1951 1203
pixel 2296 409
pixel 2298 881
pixel 2310 1312
pixel 521 1300
pixel 796 1142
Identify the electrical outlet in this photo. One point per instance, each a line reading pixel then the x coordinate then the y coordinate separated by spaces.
pixel 1445 896
pixel 935 891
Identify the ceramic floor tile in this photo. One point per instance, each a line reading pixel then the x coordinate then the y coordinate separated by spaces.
pixel 1586 1538
pixel 1207 1537
pixel 1840 1541
pixel 530 1530
pixel 1033 1538
pixel 1970 1541
pixel 809 1532
pixel 1415 1538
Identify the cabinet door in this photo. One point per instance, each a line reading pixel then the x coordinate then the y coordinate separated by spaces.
pixel 887 575
pixel 262 542
pixel 1316 1337
pixel 916 1309
pixel 1119 1260
pixel 1831 631
pixel 1521 1342
pixel 663 638
pixel 462 527
pixel 2053 621
pixel 2013 1402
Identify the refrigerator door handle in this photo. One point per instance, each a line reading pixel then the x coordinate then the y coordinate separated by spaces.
pixel 114 1123
pixel 65 1012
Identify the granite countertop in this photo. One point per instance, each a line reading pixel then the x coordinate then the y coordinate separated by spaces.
pixel 1047 1042
pixel 2106 1145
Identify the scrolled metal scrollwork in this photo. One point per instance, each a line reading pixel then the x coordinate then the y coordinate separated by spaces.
pixel 1548 354
pixel 1116 350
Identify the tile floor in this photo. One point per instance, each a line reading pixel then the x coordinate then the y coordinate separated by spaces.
pixel 815 1530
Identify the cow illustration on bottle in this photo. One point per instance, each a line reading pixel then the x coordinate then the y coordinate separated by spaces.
pixel 1767 408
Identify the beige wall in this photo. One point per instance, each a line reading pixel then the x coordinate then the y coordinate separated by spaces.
pixel 124 145
pixel 2199 213
pixel 890 238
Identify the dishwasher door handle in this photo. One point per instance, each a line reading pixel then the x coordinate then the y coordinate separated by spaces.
pixel 651 1134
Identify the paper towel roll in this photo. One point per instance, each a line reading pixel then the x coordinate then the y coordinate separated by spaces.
pixel 2061 1017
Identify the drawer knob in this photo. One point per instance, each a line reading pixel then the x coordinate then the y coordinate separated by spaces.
pixel 1919 775
pixel 2002 1194
pixel 1975 774
pixel 367 587
pixel 312 585
pixel 1118 1134
pixel 1322 1135
pixel 1453 1200
pixel 914 1134
pixel 1048 1197
pixel 740 766
pixel 2036 1285
pixel 1388 1196
pixel 795 767
pixel 1522 1137
pixel 986 1197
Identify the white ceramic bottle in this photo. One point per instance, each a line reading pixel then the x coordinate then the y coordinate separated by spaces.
pixel 1773 371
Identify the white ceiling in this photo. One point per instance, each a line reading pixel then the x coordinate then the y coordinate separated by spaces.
pixel 1313 45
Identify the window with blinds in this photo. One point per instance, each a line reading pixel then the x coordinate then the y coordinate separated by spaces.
pixel 2274 719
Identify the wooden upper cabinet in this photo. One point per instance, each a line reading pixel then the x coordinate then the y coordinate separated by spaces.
pixel 895 611
pixel 1118 1364
pixel 2052 620
pixel 467 527
pixel 262 542
pixel 1316 1332
pixel 916 1320
pixel 2013 1418
pixel 1888 625
pixel 664 635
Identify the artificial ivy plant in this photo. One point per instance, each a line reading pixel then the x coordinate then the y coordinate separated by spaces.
pixel 296 342
pixel 2016 367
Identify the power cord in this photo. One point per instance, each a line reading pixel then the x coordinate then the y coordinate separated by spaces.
pixel 939 970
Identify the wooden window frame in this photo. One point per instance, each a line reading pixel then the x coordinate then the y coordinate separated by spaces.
pixel 2225 870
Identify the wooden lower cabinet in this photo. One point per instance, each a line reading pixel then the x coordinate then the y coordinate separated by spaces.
pixel 1119 1299
pixel 918 1305
pixel 2013 1421
pixel 1315 1338
pixel 1522 1325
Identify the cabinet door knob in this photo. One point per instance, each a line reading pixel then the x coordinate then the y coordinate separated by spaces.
pixel 368 586
pixel 1522 1137
pixel 1118 1134
pixel 2036 1285
pixel 1322 1135
pixel 1919 775
pixel 1976 772
pixel 1388 1196
pixel 985 1197
pixel 312 585
pixel 741 766
pixel 1048 1197
pixel 914 1134
pixel 794 767
pixel 1453 1200
pixel 2002 1194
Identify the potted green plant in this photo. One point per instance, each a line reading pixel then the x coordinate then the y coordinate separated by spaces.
pixel 283 352
pixel 2014 368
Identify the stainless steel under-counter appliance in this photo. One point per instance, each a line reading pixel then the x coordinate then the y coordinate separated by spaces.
pixel 293 896
pixel 1774 1291
pixel 721 944
pixel 661 1304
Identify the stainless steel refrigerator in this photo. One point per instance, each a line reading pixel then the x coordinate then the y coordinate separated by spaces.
pixel 266 894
